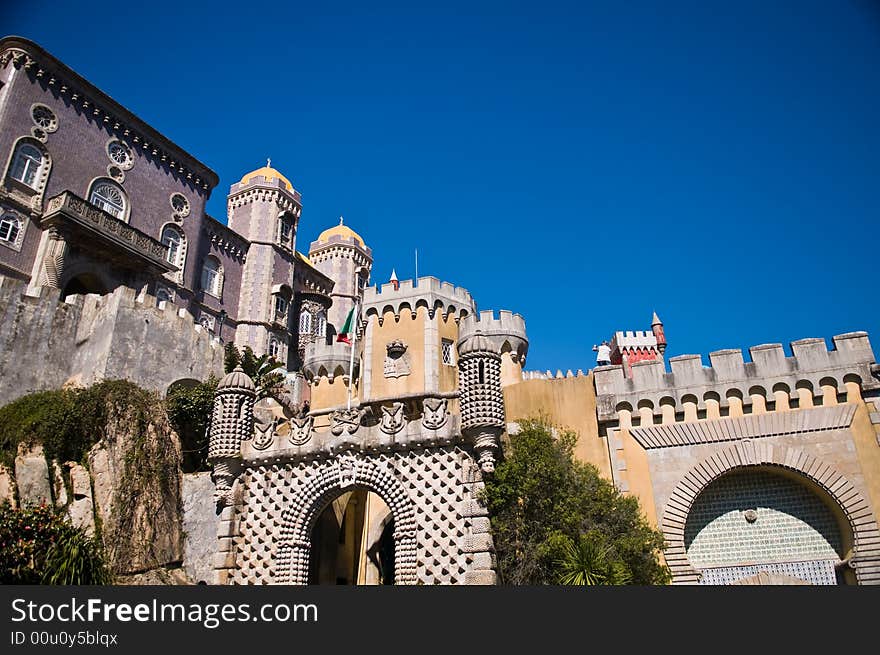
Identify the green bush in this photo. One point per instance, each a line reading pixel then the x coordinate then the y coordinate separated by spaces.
pixel 189 410
pixel 38 546
pixel 555 520
pixel 67 422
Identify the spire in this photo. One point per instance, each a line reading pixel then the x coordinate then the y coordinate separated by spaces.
pixel 393 280
pixel 656 320
pixel 340 220
pixel 657 329
pixel 268 162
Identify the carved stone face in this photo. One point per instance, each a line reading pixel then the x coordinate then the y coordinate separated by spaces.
pixel 395 349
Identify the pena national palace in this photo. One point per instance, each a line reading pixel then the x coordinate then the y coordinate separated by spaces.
pixel 758 467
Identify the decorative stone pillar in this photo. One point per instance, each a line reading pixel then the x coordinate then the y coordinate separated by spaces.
pixel 481 398
pixel 231 423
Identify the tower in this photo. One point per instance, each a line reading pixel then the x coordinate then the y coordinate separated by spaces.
pixel 341 254
pixel 265 208
pixel 657 329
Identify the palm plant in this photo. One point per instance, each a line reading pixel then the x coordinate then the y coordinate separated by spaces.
pixel 588 561
pixel 263 370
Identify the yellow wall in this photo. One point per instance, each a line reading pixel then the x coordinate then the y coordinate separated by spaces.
pixel 638 474
pixel 868 451
pixel 331 394
pixel 412 333
pixel 568 403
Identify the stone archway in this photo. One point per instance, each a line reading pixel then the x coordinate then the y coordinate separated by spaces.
pixel 747 453
pixel 345 472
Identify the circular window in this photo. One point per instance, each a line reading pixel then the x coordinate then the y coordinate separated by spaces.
pixel 120 154
pixel 44 118
pixel 180 205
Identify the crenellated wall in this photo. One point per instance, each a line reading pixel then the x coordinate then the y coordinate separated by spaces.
pixel 812 369
pixel 45 344
pixel 427 292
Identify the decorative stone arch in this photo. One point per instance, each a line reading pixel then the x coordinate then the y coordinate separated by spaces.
pixel 866 536
pixel 36 192
pixel 334 477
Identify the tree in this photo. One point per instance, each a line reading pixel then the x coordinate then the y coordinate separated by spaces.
pixel 557 521
pixel 189 411
pixel 263 370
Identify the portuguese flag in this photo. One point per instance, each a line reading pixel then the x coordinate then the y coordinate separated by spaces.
pixel 347 330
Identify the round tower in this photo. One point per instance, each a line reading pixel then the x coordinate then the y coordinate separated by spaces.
pixel 264 208
pixel 232 422
pixel 341 254
pixel 480 398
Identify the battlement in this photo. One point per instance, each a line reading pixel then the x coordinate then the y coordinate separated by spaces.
pixel 812 365
pixel 266 182
pixel 326 360
pixel 45 343
pixel 633 339
pixel 428 292
pixel 507 332
pixel 549 375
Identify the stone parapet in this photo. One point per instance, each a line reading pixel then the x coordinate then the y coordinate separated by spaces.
pixel 427 292
pixel 811 366
pixel 326 360
pixel 507 333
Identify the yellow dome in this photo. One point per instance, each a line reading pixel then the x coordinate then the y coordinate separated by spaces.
pixel 341 231
pixel 269 173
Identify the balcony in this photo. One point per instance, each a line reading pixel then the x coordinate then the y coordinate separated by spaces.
pixel 99 228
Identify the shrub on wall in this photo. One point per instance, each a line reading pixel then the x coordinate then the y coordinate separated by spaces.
pixel 189 410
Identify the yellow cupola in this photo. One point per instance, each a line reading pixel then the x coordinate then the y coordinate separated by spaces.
pixel 340 231
pixel 269 173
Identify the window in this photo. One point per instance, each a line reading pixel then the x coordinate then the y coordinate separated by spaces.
pixel 120 154
pixel 305 323
pixel 27 164
pixel 180 205
pixel 212 276
pixel 274 347
pixel 172 238
pixel 10 228
pixel 108 196
pixel 321 328
pixel 285 231
pixel 447 352
pixel 362 281
pixel 44 117
pixel 280 306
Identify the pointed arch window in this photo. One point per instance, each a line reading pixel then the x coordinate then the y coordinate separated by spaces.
pixel 274 347
pixel 305 322
pixel 212 276
pixel 27 165
pixel 110 197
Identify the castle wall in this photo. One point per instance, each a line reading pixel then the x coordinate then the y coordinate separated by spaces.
pixel 44 343
pixel 567 402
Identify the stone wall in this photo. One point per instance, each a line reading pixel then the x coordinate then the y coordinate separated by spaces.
pixel 45 344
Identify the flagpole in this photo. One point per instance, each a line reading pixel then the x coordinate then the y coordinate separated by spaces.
pixel 354 333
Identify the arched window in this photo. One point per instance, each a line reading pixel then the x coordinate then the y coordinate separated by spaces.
pixel 27 165
pixel 321 326
pixel 280 306
pixel 212 276
pixel 10 228
pixel 274 347
pixel 305 322
pixel 173 238
pixel 110 197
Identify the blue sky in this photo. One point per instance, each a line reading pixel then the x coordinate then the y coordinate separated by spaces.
pixel 582 164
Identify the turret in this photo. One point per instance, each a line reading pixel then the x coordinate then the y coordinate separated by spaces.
pixel 264 208
pixel 481 398
pixel 341 254
pixel 484 343
pixel 657 329
pixel 232 422
pixel 394 281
